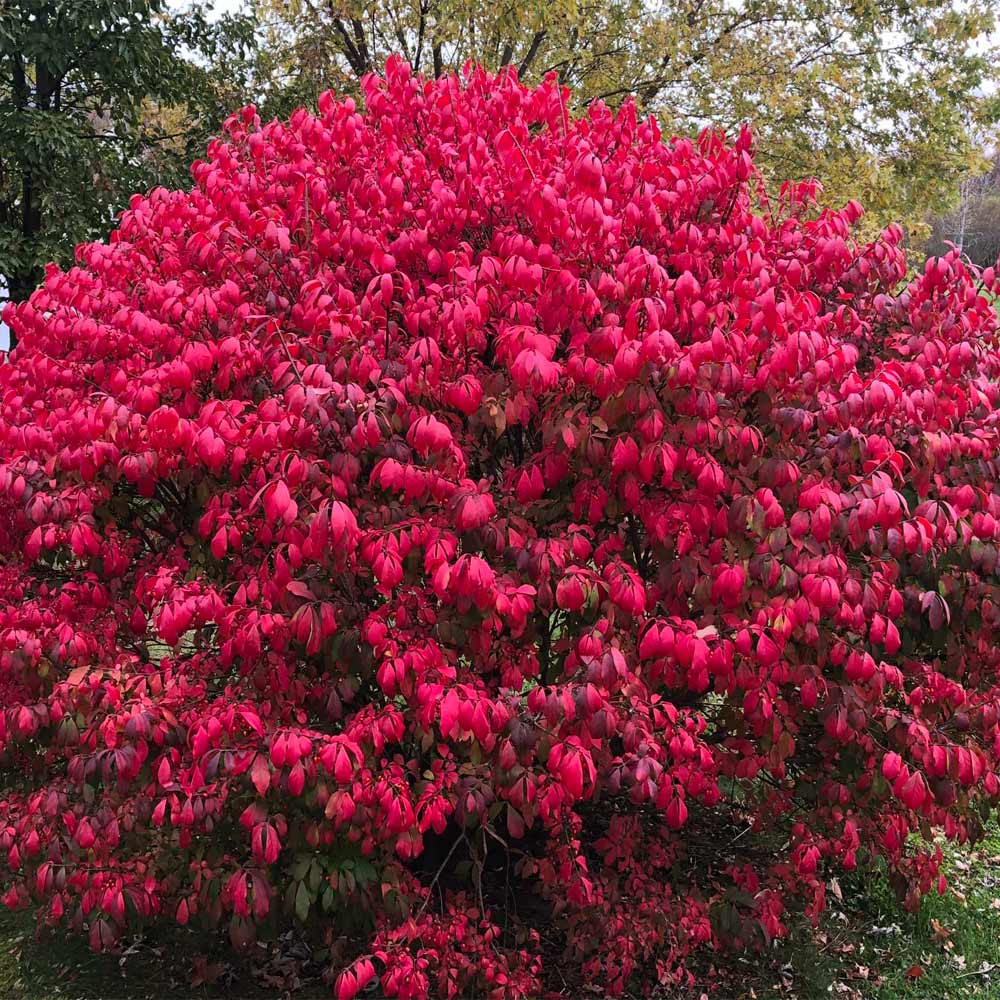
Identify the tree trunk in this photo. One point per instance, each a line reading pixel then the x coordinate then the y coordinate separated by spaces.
pixel 24 281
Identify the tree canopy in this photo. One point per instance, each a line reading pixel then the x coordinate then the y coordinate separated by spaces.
pixel 973 226
pixel 877 98
pixel 99 98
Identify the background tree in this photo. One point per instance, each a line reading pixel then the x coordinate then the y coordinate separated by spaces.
pixel 98 99
pixel 973 226
pixel 877 98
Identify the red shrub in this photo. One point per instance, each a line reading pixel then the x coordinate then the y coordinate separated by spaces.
pixel 458 470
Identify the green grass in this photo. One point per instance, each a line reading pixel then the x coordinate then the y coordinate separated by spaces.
pixel 954 940
pixel 871 949
pixel 867 949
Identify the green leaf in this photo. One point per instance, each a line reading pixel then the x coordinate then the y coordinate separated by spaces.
pixel 303 901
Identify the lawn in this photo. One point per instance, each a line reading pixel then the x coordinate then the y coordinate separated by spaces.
pixel 870 949
pixel 867 949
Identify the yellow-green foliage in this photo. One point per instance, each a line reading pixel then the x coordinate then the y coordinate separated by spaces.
pixel 876 98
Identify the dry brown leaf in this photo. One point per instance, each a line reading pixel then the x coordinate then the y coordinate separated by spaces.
pixel 940 933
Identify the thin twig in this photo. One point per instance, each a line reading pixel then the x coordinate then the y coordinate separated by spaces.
pixel 439 872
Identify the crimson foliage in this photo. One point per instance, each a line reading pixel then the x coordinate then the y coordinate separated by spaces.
pixel 460 476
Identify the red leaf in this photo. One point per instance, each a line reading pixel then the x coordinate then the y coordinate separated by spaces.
pixel 260 774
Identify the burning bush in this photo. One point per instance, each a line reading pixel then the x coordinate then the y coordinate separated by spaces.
pixel 460 474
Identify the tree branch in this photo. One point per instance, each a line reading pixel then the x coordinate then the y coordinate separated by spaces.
pixel 529 58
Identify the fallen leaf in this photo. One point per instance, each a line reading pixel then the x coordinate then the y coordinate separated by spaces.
pixel 940 932
pixel 203 971
pixel 914 972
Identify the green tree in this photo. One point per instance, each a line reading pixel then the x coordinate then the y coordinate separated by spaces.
pixel 973 226
pixel 876 98
pixel 98 99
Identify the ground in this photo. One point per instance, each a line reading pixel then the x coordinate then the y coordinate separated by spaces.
pixel 868 949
